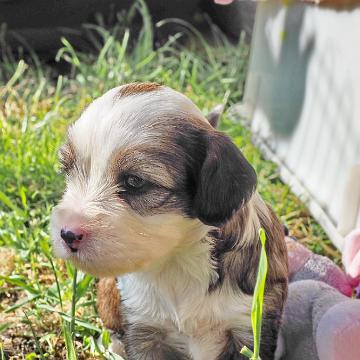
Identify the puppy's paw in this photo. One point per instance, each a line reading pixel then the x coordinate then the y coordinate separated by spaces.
pixel 117 346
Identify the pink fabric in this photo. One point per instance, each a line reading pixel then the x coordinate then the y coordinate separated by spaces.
pixel 223 2
pixel 302 262
pixel 338 332
pixel 298 255
pixel 351 255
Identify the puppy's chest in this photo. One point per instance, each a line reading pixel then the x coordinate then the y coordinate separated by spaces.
pixel 185 307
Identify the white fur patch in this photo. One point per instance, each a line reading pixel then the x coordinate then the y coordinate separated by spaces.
pixel 175 296
pixel 112 123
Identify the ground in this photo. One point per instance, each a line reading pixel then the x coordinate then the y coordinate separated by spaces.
pixel 36 105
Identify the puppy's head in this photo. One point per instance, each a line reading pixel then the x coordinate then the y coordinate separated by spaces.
pixel 145 174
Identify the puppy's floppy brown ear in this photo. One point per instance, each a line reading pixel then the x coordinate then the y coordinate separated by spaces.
pixel 226 180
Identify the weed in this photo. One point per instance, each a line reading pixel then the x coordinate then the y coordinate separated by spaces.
pixel 258 300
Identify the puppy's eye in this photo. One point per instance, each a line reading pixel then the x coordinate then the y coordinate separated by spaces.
pixel 133 182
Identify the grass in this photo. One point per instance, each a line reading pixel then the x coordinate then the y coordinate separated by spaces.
pixel 39 316
pixel 258 301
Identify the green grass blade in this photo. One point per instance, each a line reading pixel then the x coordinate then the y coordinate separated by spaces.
pixel 258 300
pixel 17 280
pixel 4 326
pixel 68 318
pixel 22 193
pixel 70 348
pixel 37 343
pixel 16 76
pixel 257 306
pixel 247 352
pixel 57 282
pixel 10 204
pixel 82 286
pixel 2 352
pixel 73 304
pixel 21 303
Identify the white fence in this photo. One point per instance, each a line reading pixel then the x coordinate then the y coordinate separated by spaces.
pixel 303 99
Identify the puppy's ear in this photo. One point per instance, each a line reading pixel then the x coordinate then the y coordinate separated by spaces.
pixel 226 180
pixel 214 115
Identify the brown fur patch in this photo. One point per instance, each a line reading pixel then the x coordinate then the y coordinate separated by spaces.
pixel 108 304
pixel 67 157
pixel 238 260
pixel 147 342
pixel 276 250
pixel 137 88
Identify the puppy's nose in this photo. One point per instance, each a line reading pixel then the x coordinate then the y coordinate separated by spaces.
pixel 71 237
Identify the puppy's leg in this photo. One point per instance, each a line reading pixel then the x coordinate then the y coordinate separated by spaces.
pixel 108 305
pixel 232 347
pixel 143 342
pixel 269 332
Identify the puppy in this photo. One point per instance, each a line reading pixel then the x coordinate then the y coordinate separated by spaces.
pixel 158 198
